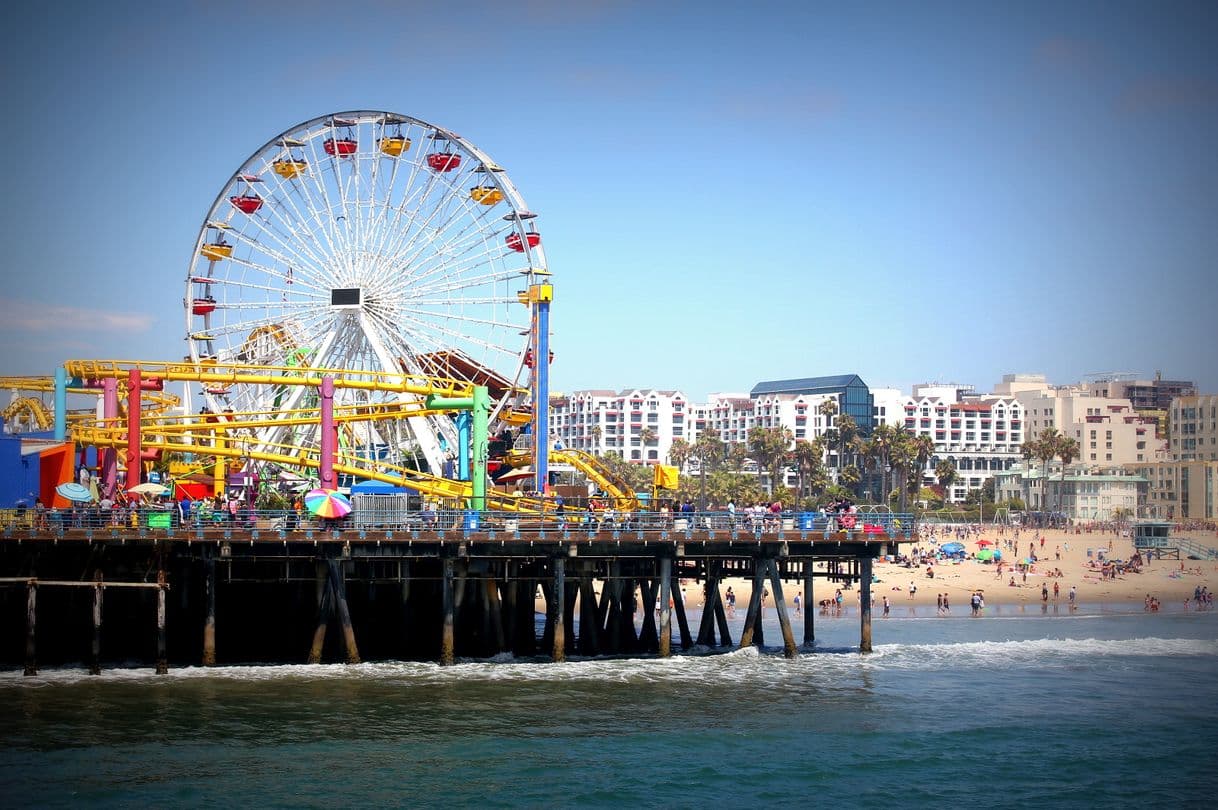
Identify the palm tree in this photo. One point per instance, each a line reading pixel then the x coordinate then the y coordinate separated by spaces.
pixel 923 451
pixel 1028 451
pixel 809 458
pixel 595 430
pixel 1046 451
pixel 708 449
pixel 847 431
pixel 1067 450
pixel 945 474
pixel 769 448
pixel 680 452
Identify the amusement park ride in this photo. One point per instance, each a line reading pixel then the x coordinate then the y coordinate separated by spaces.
pixel 367 296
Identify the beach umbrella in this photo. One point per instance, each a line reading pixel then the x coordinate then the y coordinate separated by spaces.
pixel 327 503
pixel 952 548
pixel 985 554
pixel 149 488
pixel 984 543
pixel 75 492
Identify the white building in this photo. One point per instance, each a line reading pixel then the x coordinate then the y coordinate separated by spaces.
pixel 979 436
pixel 639 423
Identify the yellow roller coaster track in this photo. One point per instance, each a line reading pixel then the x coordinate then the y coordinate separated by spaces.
pixel 616 489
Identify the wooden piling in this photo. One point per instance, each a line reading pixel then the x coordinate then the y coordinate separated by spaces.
pixel 404 573
pixel 649 636
pixel 752 619
pixel 809 605
pixel 495 613
pixel 780 605
pixel 95 648
pixel 209 607
pixel 162 662
pixel 725 633
pixel 665 610
pixel 865 605
pixel 325 608
pixel 339 586
pixel 589 635
pixel 31 616
pixel 706 626
pixel 678 602
pixel 559 650
pixel 446 634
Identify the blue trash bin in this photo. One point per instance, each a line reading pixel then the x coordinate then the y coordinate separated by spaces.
pixel 471 521
pixel 807 521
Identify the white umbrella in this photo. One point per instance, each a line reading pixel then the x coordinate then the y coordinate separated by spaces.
pixel 149 489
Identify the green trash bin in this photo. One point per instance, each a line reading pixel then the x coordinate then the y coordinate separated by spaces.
pixel 159 520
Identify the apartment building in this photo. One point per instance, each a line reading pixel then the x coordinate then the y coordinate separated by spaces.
pixel 1179 490
pixel 1193 428
pixel 978 435
pixel 1084 493
pixel 640 424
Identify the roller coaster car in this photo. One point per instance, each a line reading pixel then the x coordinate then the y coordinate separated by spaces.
pixel 246 203
pixel 528 358
pixel 215 251
pixel 287 168
pixel 443 161
pixel 514 241
pixel 487 195
pixel 202 306
pixel 340 147
pixel 216 390
pixel 394 145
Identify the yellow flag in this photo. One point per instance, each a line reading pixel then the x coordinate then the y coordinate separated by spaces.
pixel 666 477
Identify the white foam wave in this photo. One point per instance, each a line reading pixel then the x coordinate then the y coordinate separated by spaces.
pixel 748 665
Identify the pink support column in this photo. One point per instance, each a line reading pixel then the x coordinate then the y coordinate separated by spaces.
pixel 109 465
pixel 329 435
pixel 135 465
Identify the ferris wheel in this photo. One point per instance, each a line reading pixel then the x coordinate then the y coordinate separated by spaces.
pixel 371 242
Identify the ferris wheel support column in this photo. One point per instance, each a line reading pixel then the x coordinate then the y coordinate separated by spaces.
pixel 109 466
pixel 463 420
pixel 329 438
pixel 61 404
pixel 540 295
pixel 135 465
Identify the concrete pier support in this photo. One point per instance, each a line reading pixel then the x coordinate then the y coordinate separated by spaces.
pixel 162 661
pixel 559 652
pixel 209 609
pixel 31 620
pixel 780 605
pixel 447 653
pixel 666 599
pixel 809 605
pixel 865 605
pixel 95 648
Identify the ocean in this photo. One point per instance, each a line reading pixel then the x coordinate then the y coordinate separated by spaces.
pixel 1100 708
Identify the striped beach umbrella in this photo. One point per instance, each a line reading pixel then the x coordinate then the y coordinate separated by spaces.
pixel 327 503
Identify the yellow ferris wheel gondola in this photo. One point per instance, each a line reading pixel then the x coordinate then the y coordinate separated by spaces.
pixel 290 166
pixel 394 145
pixel 487 195
pixel 218 249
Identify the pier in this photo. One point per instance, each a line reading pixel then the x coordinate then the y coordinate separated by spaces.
pixel 464 587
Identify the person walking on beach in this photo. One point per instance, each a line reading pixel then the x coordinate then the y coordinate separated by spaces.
pixel 1071 597
pixel 947 605
pixel 1056 591
pixel 975 603
pixel 939 603
pixel 913 590
pixel 887 605
pixel 1044 593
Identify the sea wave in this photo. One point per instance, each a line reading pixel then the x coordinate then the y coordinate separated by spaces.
pixel 766 667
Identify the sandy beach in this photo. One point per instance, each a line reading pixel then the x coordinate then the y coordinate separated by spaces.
pixel 1170 581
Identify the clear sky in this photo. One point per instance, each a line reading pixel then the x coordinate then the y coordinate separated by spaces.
pixel 728 192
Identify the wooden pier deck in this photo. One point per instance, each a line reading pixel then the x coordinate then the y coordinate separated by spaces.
pixel 235 594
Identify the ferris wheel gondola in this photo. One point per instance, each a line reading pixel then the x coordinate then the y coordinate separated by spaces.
pixel 337 245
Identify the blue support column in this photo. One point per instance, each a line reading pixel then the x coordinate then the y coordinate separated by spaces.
pixel 61 404
pixel 463 422
pixel 541 295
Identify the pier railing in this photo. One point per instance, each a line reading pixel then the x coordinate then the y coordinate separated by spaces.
pixel 14 522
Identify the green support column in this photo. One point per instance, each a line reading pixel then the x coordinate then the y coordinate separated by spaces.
pixel 480 406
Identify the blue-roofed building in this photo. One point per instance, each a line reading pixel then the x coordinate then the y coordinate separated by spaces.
pixel 853 395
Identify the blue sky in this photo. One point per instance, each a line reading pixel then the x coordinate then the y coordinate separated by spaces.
pixel 727 192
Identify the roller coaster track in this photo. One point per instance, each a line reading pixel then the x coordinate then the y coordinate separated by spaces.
pixel 230 435
pixel 616 488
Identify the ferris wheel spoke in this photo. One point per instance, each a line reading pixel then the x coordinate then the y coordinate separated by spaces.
pixel 422 326
pixel 507 326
